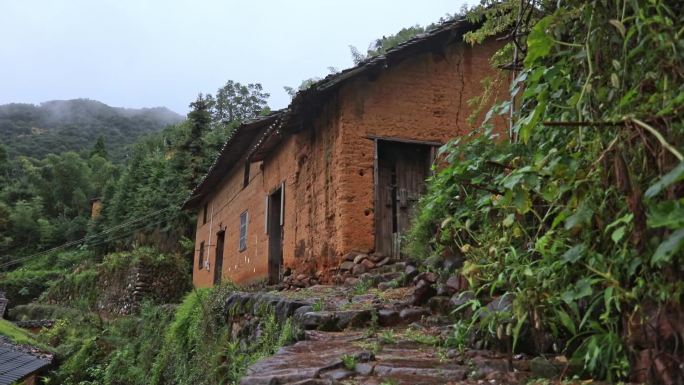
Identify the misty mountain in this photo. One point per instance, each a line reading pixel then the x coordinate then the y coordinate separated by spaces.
pixel 74 125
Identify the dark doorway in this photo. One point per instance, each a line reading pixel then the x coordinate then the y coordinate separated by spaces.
pixel 400 181
pixel 218 264
pixel 274 227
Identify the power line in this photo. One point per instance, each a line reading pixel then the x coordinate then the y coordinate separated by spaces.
pixel 89 237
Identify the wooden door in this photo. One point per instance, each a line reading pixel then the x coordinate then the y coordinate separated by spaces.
pixel 218 263
pixel 400 181
pixel 274 225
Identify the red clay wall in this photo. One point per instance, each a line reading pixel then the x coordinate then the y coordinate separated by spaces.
pixel 228 203
pixel 328 167
pixel 424 98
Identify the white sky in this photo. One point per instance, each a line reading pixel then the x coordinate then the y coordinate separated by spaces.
pixel 146 53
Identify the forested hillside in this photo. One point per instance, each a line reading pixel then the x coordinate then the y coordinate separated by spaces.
pixel 74 125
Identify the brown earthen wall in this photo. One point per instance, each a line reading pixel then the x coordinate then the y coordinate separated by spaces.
pixel 327 168
pixel 225 207
pixel 423 98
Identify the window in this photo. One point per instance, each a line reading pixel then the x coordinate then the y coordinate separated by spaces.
pixel 206 206
pixel 245 178
pixel 244 217
pixel 200 260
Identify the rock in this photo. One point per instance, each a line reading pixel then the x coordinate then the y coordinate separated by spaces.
pixel 422 293
pixel 440 305
pixel 309 381
pixel 376 257
pixel 301 277
pixel 426 276
pixel 382 262
pixel 319 273
pixel 410 271
pixel 351 281
pixel 459 299
pixel 347 265
pixel 388 317
pixel 359 269
pixel 435 262
pixel 337 374
pixel 318 320
pixel 350 256
pixel 352 318
pixel 368 264
pixel 453 284
pixel 452 262
pixel 363 368
pixel 359 258
pixel 412 314
pixel 385 285
pixel 499 304
pixel 541 367
pixel 444 291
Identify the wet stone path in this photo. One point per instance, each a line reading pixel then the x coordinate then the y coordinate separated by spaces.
pixel 353 357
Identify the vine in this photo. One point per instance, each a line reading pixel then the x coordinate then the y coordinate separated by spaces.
pixel 557 218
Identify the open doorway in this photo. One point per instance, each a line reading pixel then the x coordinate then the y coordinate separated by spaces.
pixel 274 227
pixel 218 264
pixel 401 170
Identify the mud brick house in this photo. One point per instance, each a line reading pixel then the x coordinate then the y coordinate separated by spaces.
pixel 341 167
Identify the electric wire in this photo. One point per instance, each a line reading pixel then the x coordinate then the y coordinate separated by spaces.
pixel 89 237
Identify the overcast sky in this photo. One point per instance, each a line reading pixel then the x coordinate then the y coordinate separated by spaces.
pixel 146 53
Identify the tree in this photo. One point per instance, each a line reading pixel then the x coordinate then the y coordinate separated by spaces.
pixel 237 102
pixel 99 148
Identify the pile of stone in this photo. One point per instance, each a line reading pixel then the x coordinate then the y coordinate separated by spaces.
pixel 356 264
pixel 293 280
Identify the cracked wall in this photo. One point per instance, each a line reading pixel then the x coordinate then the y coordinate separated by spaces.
pixel 327 168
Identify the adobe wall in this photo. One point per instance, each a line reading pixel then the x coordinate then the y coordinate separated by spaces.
pixel 229 201
pixel 317 216
pixel 423 98
pixel 327 168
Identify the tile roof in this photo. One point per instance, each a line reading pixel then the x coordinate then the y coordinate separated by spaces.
pixel 18 362
pixel 306 102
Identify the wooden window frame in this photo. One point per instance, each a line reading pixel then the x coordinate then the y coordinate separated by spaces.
pixel 200 259
pixel 245 177
pixel 242 239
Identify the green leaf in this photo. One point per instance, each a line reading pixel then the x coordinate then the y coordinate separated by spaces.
pixel 583 288
pixel 580 217
pixel 539 42
pixel 512 179
pixel 619 26
pixel 674 176
pixel 623 220
pixel 574 253
pixel 669 214
pixel 508 221
pixel 667 248
pixel 526 124
pixel 521 200
pixel 565 319
pixel 618 234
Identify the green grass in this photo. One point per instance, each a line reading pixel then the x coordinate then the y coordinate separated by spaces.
pixel 19 336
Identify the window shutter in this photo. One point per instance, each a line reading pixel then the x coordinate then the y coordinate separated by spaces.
pixel 282 203
pixel 266 215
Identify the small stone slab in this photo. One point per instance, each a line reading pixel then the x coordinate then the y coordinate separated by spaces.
pixel 412 314
pixel 388 317
pixel 347 265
